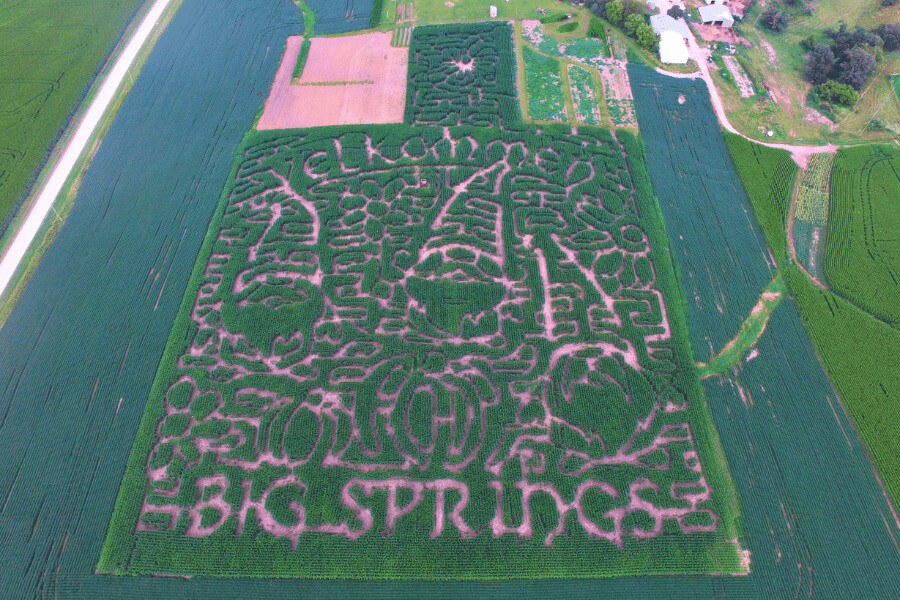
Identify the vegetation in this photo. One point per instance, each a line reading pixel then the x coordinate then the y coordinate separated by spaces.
pixel 376 357
pixel 774 19
pixel 768 176
pixel 858 349
pixel 776 63
pixel 301 58
pixel 726 266
pixel 584 95
pixel 51 54
pixel 342 17
pixel 675 11
pixel 862 248
pixel 859 352
pixel 543 83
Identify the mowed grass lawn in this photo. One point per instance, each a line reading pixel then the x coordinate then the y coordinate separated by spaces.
pixel 788 116
pixel 49 50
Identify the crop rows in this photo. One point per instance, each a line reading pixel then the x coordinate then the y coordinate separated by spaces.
pixel 543 84
pixel 862 248
pixel 768 176
pixel 341 16
pixel 447 344
pixel 584 96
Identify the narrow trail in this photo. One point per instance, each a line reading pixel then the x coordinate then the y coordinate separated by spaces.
pixel 106 95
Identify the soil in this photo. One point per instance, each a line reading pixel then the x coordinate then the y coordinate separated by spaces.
pixel 346 80
pixel 714 33
pixel 814 116
pixel 745 87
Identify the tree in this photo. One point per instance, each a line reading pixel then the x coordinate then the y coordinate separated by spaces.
pixel 614 11
pixel 832 92
pixel 633 7
pixel 774 20
pixel 675 12
pixel 889 2
pixel 890 34
pixel 857 68
pixel 819 64
pixel 843 40
pixel 632 22
pixel 647 38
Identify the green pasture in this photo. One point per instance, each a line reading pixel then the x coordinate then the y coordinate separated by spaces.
pixel 788 116
pixel 739 347
pixel 49 52
pixel 438 11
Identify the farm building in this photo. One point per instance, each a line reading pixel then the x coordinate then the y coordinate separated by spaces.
pixel 715 14
pixel 664 22
pixel 672 48
pixel 493 11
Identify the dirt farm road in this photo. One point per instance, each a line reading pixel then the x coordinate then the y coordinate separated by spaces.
pixel 800 154
pixel 78 144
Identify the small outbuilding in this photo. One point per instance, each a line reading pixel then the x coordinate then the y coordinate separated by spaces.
pixel 716 14
pixel 493 11
pixel 664 22
pixel 672 48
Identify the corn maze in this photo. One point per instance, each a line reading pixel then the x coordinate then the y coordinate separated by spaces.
pixel 443 344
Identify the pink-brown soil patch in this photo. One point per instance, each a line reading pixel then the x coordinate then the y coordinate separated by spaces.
pixel 714 33
pixel 346 81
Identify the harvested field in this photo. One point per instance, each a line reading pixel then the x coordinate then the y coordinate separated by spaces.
pixel 345 81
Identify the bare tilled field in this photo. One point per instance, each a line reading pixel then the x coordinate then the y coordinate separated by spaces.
pixel 346 80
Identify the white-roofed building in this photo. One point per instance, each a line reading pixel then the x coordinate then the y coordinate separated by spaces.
pixel 673 49
pixel 716 14
pixel 664 22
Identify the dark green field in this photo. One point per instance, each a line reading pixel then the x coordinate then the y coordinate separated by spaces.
pixel 49 52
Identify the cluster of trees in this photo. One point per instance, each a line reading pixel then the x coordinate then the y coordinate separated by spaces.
pixel 630 16
pixel 774 19
pixel 842 62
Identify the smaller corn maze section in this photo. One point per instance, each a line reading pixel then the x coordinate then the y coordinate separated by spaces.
pixel 811 213
pixel 543 84
pixel 584 96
